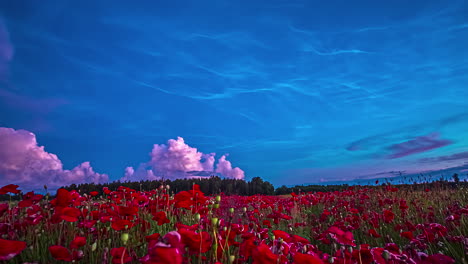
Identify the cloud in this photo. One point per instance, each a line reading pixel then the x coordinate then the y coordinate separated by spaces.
pixel 6 50
pixel 454 157
pixel 25 163
pixel 178 160
pixel 417 145
pixel 225 168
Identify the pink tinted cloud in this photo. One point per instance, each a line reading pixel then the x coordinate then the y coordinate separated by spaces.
pixel 225 168
pixel 417 145
pixel 25 163
pixel 176 160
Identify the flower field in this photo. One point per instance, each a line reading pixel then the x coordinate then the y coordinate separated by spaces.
pixel 382 224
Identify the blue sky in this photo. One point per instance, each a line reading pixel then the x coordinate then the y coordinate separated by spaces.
pixel 295 91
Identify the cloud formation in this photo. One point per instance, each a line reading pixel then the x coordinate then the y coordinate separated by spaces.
pixel 417 145
pixel 454 157
pixel 25 163
pixel 178 160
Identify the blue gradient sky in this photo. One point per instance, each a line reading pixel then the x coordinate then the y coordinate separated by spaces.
pixel 295 91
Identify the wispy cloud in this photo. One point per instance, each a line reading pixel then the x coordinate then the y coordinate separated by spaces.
pixel 417 145
pixel 461 156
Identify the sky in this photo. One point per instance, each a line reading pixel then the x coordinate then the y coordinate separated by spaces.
pixel 294 92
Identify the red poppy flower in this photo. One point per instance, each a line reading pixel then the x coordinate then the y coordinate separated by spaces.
pixel 388 216
pixel 10 248
pixel 161 218
pixel 196 242
pixel 60 253
pixel 408 235
pixel 342 237
pixel 154 236
pixel 128 210
pixel 263 255
pixel 70 214
pixel 63 198
pixel 164 255
pixel 3 208
pixel 78 242
pixel 300 258
pixel 373 233
pixel 122 224
pixel 120 255
pixel 94 193
pixel 25 203
pixel 10 188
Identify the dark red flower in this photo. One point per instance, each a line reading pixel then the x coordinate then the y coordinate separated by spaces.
pixel 342 237
pixel 300 258
pixel 373 233
pixel 78 242
pixel 10 188
pixel 263 255
pixel 161 218
pixel 122 224
pixel 60 253
pixel 10 248
pixel 388 216
pixel 128 210
pixel 120 255
pixel 70 214
pixel 196 242
pixel 408 235
pixel 94 193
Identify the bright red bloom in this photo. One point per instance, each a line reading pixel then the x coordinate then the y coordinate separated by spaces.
pixel 122 224
pixel 263 255
pixel 128 211
pixel 300 258
pixel 10 188
pixel 94 193
pixel 187 199
pixel 78 242
pixel 63 198
pixel 10 248
pixel 373 233
pixel 3 208
pixel 388 216
pixel 60 253
pixel 342 237
pixel 164 255
pixel 154 236
pixel 408 235
pixel 70 214
pixel 120 255
pixel 196 242
pixel 161 218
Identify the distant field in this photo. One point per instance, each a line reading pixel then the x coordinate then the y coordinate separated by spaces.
pixel 383 224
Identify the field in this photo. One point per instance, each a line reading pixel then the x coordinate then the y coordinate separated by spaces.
pixel 384 224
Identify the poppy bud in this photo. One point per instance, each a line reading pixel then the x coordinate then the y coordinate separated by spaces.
pixel 124 238
pixel 244 209
pixel 331 259
pixel 168 187
pixel 350 249
pixel 231 210
pixel 218 198
pixel 232 258
pixel 197 216
pixel 216 206
pixel 386 255
pixel 214 221
pixel 94 246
